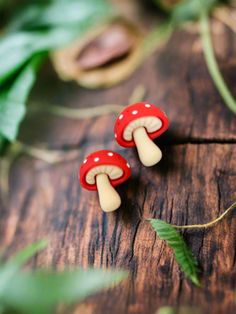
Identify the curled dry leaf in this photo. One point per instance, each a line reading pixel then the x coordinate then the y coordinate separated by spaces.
pixel 104 57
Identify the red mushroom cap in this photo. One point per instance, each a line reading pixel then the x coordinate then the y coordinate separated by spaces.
pixel 136 111
pixel 104 158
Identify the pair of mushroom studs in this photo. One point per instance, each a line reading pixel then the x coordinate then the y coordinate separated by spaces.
pixel 137 125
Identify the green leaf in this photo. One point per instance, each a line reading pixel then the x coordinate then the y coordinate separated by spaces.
pixel 182 253
pixel 189 10
pixel 65 21
pixel 59 12
pixel 166 310
pixel 21 257
pixel 13 98
pixel 39 292
pixel 10 269
pixel 18 48
pixel 39 29
pixel 2 143
pixel 15 50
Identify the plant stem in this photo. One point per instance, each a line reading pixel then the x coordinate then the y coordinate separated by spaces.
pixel 92 112
pixel 159 35
pixel 81 113
pixel 45 155
pixel 209 224
pixel 5 165
pixel 138 94
pixel 212 64
pixel 17 148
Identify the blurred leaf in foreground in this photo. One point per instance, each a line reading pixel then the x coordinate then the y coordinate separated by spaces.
pixel 42 290
pixel 59 13
pixel 182 253
pixel 13 98
pixel 50 27
pixel 17 49
pixel 9 269
pixel 39 29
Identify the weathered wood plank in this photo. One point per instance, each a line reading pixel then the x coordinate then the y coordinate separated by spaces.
pixel 193 184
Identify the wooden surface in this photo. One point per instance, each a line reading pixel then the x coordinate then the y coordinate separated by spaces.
pixel 194 183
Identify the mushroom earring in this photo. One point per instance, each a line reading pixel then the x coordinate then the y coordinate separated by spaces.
pixel 138 125
pixel 102 171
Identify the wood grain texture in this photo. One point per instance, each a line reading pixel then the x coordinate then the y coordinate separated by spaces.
pixel 49 203
pixel 194 183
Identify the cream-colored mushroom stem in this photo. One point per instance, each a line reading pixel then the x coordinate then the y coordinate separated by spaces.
pixel 108 197
pixel 148 152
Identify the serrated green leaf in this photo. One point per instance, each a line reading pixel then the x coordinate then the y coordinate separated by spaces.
pixel 13 98
pixel 39 292
pixel 182 253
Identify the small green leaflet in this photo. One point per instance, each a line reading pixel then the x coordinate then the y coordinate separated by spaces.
pixel 13 98
pixel 182 253
pixel 42 290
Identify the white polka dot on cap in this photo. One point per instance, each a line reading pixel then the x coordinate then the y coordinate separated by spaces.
pixel 85 161
pixel 134 111
pixel 115 135
pixel 128 165
pixel 110 154
pixel 147 105
pixel 96 159
pixel 121 116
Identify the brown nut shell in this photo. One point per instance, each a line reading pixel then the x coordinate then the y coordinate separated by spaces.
pixel 104 57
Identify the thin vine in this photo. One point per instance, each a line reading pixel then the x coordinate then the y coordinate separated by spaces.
pixel 212 63
pixel 137 95
pixel 208 224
